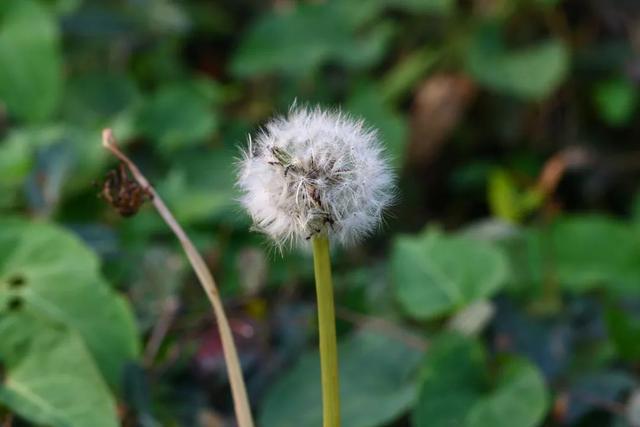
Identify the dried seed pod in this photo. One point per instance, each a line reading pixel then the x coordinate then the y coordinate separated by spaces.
pixel 124 193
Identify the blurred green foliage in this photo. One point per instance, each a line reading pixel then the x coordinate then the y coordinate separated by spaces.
pixel 457 391
pixel 503 289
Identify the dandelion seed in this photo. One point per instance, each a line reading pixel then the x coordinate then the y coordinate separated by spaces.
pixel 314 172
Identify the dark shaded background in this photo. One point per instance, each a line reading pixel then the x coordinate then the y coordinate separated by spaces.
pixel 512 125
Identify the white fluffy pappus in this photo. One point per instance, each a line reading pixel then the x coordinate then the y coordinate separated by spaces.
pixel 315 171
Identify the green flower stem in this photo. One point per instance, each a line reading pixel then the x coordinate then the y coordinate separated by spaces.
pixel 327 332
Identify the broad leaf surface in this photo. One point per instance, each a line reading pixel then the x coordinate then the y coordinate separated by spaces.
pixel 30 60
pixel 49 376
pixel 530 72
pixel 435 274
pixel 54 274
pixel 458 389
pixel 377 384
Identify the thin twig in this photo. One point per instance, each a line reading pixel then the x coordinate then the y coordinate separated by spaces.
pixel 555 168
pixel 169 309
pixel 238 389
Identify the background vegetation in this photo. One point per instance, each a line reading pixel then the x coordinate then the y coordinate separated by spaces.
pixel 504 289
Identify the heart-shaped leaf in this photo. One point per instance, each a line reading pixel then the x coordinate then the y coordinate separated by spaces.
pixel 435 274
pixel 582 253
pixel 298 40
pixel 376 385
pixel 518 400
pixel 49 376
pixel 456 389
pixel 52 273
pixel 531 72
pixel 452 382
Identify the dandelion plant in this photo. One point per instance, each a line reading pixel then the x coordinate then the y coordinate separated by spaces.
pixel 317 177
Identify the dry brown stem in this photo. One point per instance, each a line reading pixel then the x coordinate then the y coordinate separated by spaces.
pixel 238 389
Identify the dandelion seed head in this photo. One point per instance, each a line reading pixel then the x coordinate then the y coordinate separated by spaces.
pixel 315 171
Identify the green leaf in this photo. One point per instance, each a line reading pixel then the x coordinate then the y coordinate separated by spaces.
pixel 616 101
pixel 16 160
pixel 504 196
pixel 588 251
pixel 81 158
pixel 367 103
pixel 452 382
pixel 201 186
pixel 298 40
pixel 49 376
pixel 519 400
pixel 532 72
pixel 95 99
pixel 579 253
pixel 509 202
pixel 405 76
pixel 52 273
pixel 376 385
pixel 362 11
pixel 624 329
pixel 179 115
pixel 457 389
pixel 293 41
pixel 30 60
pixel 440 7
pixel 366 50
pixel 437 274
